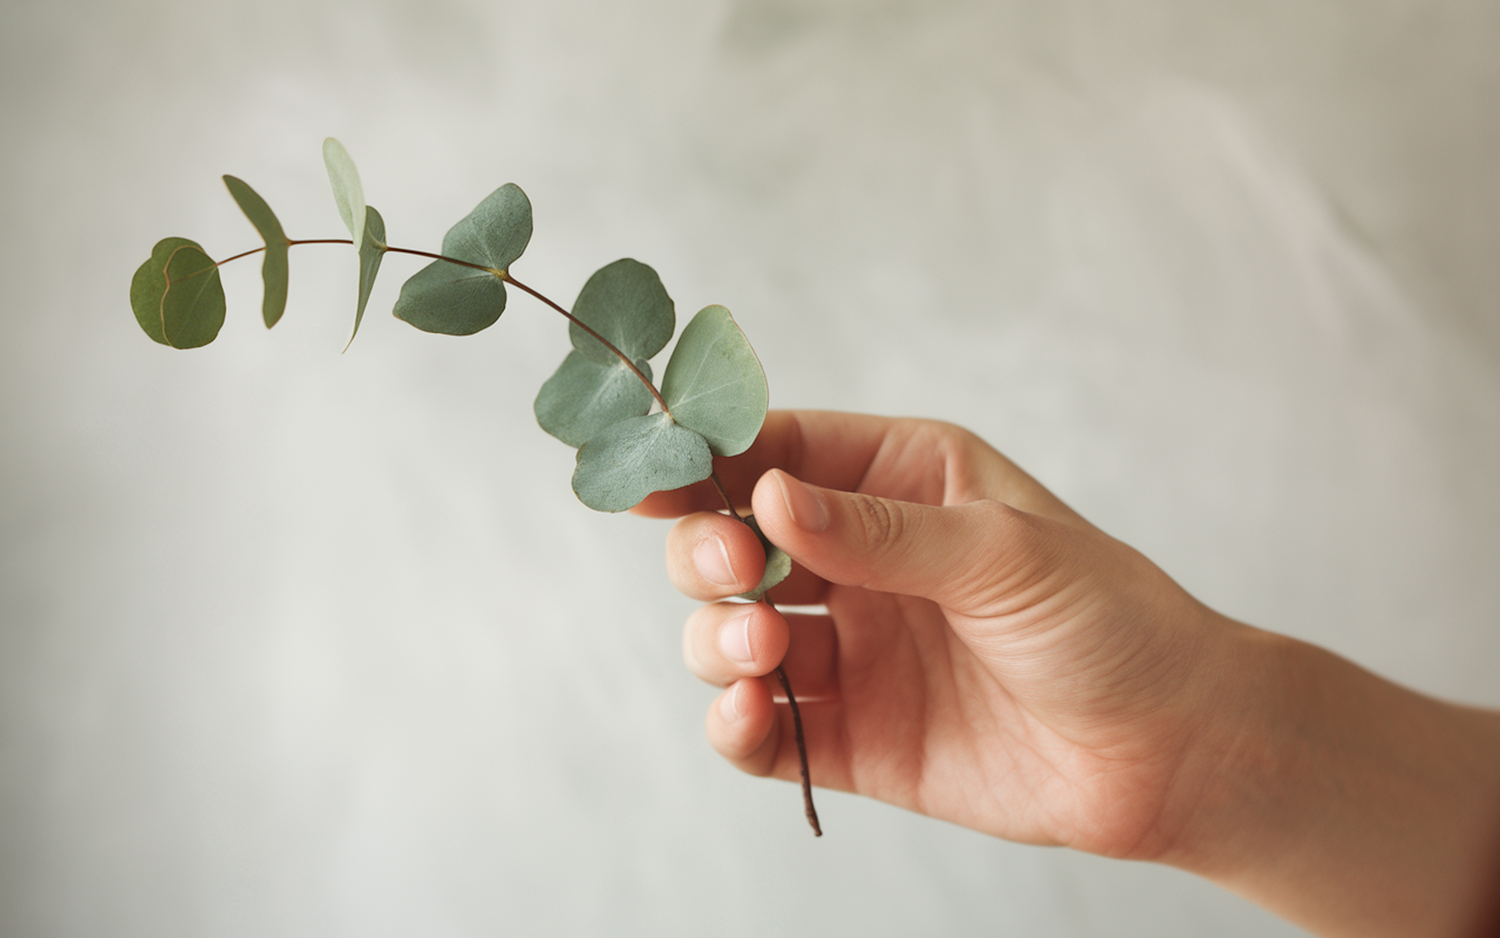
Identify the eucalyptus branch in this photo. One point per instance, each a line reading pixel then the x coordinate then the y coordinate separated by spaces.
pixel 633 437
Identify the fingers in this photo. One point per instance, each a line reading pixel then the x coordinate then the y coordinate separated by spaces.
pixel 724 642
pixel 743 728
pixel 712 556
pixel 961 556
pixel 844 446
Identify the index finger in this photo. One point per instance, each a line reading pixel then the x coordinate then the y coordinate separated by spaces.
pixel 845 446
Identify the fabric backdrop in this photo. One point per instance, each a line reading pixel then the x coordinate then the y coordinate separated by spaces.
pixel 298 643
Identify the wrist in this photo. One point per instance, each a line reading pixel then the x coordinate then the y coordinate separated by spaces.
pixel 1334 797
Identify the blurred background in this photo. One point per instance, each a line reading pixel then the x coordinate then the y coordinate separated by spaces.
pixel 301 643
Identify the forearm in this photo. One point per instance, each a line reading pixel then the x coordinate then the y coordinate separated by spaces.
pixel 1340 800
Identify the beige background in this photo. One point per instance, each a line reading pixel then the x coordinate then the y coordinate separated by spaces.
pixel 295 643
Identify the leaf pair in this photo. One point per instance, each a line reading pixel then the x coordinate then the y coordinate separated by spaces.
pixel 713 396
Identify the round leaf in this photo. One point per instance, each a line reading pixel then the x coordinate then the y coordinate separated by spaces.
pixel 273 269
pixel 714 383
pixel 347 191
pixel 625 303
pixel 177 296
pixel 635 457
pixel 495 233
pixel 451 299
pixel 586 395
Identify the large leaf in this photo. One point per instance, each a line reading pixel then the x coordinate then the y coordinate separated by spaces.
pixel 626 304
pixel 586 395
pixel 635 457
pixel 370 255
pixel 348 193
pixel 177 295
pixel 495 233
pixel 451 299
pixel 714 383
pixel 273 270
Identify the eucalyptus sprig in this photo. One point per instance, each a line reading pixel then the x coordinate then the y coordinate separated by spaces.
pixel 632 437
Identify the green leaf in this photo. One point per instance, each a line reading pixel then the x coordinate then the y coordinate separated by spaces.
pixel 451 299
pixel 635 457
pixel 585 395
pixel 627 305
pixel 347 191
pixel 177 295
pixel 778 563
pixel 714 383
pixel 273 270
pixel 370 255
pixel 495 233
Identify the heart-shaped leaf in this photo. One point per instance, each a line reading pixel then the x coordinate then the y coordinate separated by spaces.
pixel 714 383
pixel 586 395
pixel 370 255
pixel 177 295
pixel 495 233
pixel 778 563
pixel 626 304
pixel 451 299
pixel 273 270
pixel 635 457
pixel 347 191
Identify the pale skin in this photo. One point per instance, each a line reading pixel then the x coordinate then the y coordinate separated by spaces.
pixel 990 658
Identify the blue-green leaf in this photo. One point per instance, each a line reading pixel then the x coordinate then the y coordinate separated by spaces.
pixel 177 296
pixel 635 457
pixel 370 255
pixel 778 563
pixel 626 304
pixel 273 270
pixel 451 299
pixel 586 395
pixel 347 191
pixel 714 383
pixel 495 233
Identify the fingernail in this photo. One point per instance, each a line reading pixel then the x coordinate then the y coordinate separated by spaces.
pixel 711 558
pixel 729 703
pixel 804 505
pixel 734 640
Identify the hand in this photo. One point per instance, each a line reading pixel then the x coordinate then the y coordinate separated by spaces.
pixel 987 656
pixel 990 658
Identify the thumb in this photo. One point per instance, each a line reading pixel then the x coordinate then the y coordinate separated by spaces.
pixel 956 555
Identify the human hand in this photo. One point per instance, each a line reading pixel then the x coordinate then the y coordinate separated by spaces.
pixel 987 656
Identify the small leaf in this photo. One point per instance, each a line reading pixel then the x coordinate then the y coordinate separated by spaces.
pixel 778 563
pixel 273 269
pixel 347 191
pixel 714 383
pixel 370 256
pixel 495 233
pixel 451 299
pixel 177 296
pixel 586 395
pixel 635 457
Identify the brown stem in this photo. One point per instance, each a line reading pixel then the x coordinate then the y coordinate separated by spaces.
pixel 786 686
pixel 807 798
pixel 505 275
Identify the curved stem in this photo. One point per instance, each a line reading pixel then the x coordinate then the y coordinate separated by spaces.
pixel 505 276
